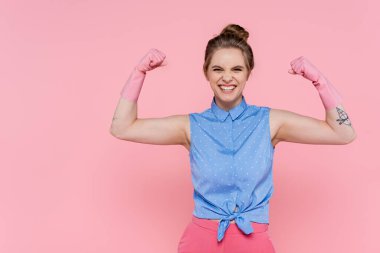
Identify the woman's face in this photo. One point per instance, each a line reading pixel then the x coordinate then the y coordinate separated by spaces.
pixel 227 75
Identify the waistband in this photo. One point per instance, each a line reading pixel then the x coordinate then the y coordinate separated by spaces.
pixel 232 229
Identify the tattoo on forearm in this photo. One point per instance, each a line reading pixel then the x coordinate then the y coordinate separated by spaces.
pixel 343 117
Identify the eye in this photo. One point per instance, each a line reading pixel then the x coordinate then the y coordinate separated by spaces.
pixel 216 69
pixel 238 69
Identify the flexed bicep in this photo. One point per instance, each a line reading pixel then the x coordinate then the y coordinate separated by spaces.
pixel 294 127
pixel 168 130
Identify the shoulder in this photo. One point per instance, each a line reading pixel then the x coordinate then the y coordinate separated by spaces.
pixel 279 114
pixel 257 111
pixel 179 119
pixel 277 117
pixel 205 115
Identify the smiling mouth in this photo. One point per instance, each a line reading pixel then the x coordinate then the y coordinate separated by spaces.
pixel 227 87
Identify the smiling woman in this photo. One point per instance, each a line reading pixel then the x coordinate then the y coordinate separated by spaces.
pixel 231 60
pixel 231 144
pixel 227 77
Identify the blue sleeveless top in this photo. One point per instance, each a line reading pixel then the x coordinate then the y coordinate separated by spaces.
pixel 231 158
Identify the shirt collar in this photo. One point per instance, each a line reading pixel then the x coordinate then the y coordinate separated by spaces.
pixel 234 112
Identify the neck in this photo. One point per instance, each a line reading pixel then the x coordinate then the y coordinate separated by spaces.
pixel 226 106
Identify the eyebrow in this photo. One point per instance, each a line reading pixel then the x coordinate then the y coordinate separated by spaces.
pixel 238 66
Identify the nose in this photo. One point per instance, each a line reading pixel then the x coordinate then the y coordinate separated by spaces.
pixel 227 78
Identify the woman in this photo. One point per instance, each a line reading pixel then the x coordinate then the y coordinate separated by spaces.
pixel 231 144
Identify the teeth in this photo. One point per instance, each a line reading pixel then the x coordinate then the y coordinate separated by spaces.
pixel 227 88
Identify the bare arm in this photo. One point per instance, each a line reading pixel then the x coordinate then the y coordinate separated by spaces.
pixel 124 116
pixel 293 127
pixel 127 126
pixel 168 130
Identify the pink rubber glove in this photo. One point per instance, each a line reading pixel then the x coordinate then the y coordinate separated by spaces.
pixel 132 87
pixel 329 95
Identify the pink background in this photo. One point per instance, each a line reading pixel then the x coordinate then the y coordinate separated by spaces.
pixel 67 185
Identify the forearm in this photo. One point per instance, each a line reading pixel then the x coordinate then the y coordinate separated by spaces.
pixel 125 114
pixel 338 120
pixel 126 110
pixel 336 117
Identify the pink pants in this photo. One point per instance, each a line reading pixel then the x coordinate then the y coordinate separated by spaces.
pixel 200 236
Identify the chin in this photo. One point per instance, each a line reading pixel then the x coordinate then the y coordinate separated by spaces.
pixel 229 96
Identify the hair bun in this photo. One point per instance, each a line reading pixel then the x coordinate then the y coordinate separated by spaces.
pixel 235 30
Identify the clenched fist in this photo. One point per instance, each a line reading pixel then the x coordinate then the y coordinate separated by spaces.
pixel 151 60
pixel 329 95
pixel 303 66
